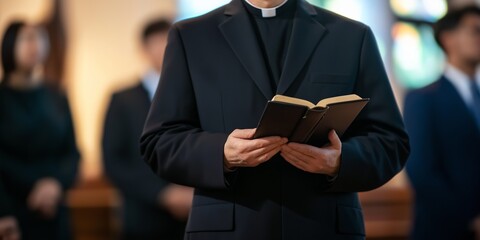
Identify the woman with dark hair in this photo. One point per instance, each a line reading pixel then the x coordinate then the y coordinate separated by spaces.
pixel 38 154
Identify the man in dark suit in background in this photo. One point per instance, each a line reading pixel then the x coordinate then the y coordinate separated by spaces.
pixel 443 121
pixel 220 70
pixel 152 208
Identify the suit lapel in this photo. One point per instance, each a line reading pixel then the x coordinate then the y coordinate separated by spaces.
pixel 238 32
pixel 144 101
pixel 306 34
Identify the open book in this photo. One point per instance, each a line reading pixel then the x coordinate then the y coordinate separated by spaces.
pixel 302 121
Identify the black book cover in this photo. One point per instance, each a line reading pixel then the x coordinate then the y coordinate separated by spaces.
pixel 308 124
pixel 338 117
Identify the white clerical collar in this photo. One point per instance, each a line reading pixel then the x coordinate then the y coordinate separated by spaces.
pixel 267 12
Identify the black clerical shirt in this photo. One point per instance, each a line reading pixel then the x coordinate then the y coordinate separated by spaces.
pixel 273 29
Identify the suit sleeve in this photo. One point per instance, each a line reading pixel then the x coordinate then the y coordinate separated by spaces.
pixel 375 147
pixel 173 143
pixel 123 164
pixel 425 169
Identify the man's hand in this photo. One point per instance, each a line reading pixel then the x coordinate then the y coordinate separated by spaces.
pixel 177 200
pixel 45 196
pixel 241 150
pixel 325 160
pixel 9 229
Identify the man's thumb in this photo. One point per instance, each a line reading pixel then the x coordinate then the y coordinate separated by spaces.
pixel 243 133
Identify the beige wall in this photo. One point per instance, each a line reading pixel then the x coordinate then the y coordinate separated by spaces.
pixel 104 56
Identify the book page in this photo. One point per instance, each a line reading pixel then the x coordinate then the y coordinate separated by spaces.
pixel 345 98
pixel 292 100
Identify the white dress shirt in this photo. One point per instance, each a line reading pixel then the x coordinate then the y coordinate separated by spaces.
pixel 150 82
pixel 461 82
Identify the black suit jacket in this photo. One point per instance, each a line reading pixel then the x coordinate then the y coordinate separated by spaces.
pixel 214 80
pixel 140 187
pixel 445 162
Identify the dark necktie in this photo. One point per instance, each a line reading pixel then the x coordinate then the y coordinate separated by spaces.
pixel 476 101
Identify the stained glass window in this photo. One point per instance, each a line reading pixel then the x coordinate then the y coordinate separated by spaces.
pixel 193 8
pixel 427 10
pixel 417 59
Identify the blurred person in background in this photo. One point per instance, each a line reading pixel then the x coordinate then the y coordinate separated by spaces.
pixel 152 208
pixel 443 121
pixel 39 158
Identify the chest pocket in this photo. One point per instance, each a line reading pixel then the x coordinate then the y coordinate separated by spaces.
pixel 321 85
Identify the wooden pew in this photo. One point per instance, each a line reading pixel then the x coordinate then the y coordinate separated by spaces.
pixel 387 212
pixel 94 204
pixel 93 208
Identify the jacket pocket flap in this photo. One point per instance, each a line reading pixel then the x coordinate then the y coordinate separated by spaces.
pixel 214 217
pixel 350 220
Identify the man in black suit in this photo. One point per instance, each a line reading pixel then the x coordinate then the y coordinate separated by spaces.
pixel 443 120
pixel 220 70
pixel 152 207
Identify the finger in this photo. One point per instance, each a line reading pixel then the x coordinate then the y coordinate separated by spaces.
pixel 264 142
pixel 301 156
pixel 289 157
pixel 294 161
pixel 303 149
pixel 268 155
pixel 255 161
pixel 334 139
pixel 243 133
pixel 262 151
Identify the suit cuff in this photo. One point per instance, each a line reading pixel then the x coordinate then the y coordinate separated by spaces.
pixel 347 170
